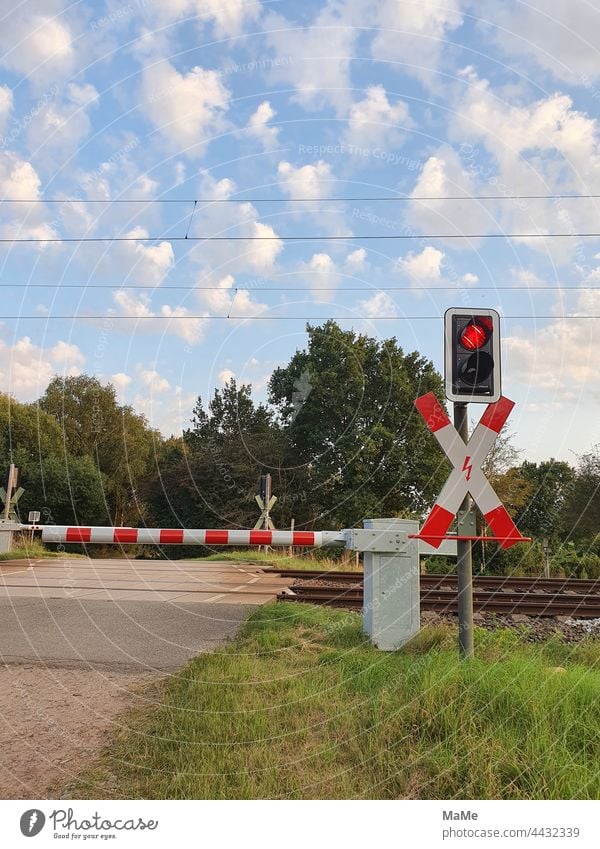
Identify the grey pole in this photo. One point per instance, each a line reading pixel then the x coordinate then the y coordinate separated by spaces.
pixel 464 560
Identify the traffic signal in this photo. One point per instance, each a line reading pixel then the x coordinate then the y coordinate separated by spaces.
pixel 472 355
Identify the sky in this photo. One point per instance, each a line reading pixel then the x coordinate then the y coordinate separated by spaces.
pixel 149 122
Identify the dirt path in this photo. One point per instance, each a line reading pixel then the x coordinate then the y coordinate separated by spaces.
pixel 53 719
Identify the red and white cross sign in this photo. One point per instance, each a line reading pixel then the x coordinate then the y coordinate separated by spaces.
pixel 467 475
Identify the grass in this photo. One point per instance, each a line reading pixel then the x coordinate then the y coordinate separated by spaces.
pixel 300 706
pixel 282 561
pixel 27 550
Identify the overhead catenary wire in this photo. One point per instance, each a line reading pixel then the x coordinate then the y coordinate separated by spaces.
pixel 191 316
pixel 572 287
pixel 357 199
pixel 276 238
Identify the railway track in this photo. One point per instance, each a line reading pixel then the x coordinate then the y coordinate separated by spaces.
pixel 546 597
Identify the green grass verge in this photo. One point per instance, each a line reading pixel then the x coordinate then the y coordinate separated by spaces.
pixel 282 561
pixel 32 551
pixel 300 706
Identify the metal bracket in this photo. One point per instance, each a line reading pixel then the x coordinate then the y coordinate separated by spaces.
pixel 377 540
pixel 466 522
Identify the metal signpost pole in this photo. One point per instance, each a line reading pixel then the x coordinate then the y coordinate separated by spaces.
pixel 464 558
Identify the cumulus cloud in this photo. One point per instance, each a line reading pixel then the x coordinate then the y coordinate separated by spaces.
pixel 36 42
pixel 379 304
pixel 225 375
pixel 258 126
pixel 322 276
pixel 177 321
pixel 374 120
pixel 442 176
pixel 227 299
pixel 537 148
pixel 307 181
pixel 61 125
pixel 228 17
pixel 26 368
pixel 559 358
pixel 561 39
pixel 233 219
pixel 415 33
pixel 315 59
pixel 187 108
pixel 430 268
pixel 154 382
pixel 6 105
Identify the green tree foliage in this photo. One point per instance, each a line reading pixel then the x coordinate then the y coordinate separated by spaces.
pixel 346 404
pixel 209 478
pixel 582 514
pixel 551 484
pixel 118 440
pixel 65 488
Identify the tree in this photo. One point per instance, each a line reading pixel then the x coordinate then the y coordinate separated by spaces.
pixel 118 440
pixel 210 477
pixel 346 404
pixel 66 489
pixel 551 484
pixel 582 511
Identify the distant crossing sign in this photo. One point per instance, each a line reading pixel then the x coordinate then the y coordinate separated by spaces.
pixel 467 475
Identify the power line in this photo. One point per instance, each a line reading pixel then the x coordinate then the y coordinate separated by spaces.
pixel 282 317
pixel 376 199
pixel 393 236
pixel 573 287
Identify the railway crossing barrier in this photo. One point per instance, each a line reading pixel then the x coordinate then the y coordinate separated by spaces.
pixel 391 560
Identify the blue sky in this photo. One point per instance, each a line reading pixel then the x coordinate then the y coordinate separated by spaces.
pixel 224 100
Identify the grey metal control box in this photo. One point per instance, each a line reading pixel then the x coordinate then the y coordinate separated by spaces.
pixel 392 609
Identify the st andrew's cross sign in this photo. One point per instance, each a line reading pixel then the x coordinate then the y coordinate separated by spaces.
pixel 467 475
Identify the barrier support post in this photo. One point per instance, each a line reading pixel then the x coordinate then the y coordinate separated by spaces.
pixel 391 611
pixel 7 529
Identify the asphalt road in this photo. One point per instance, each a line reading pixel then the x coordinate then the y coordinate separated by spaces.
pixel 134 615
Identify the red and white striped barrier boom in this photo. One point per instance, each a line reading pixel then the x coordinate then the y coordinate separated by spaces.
pixel 179 536
pixel 467 475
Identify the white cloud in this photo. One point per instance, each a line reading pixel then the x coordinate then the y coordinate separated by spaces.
pixel 258 126
pixel 177 321
pixel 537 148
pixel 559 361
pixel 147 264
pixel 357 260
pixel 380 304
pixel 322 276
pixel 225 375
pixel 443 176
pixel 561 38
pixel 26 369
pixel 153 381
pixel 229 300
pixel 121 382
pixel 308 181
pixel 18 178
pixel 315 59
pixel 188 109
pixel 414 33
pixel 6 105
pixel 229 17
pixel 219 258
pixel 38 46
pixel 375 120
pixel 61 126
pixel 423 267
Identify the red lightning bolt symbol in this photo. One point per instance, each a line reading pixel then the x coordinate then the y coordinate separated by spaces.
pixel 467 467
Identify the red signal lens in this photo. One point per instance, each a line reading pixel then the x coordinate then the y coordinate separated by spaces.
pixel 475 335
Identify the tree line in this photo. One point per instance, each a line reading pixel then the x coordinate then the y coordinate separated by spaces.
pixel 339 435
